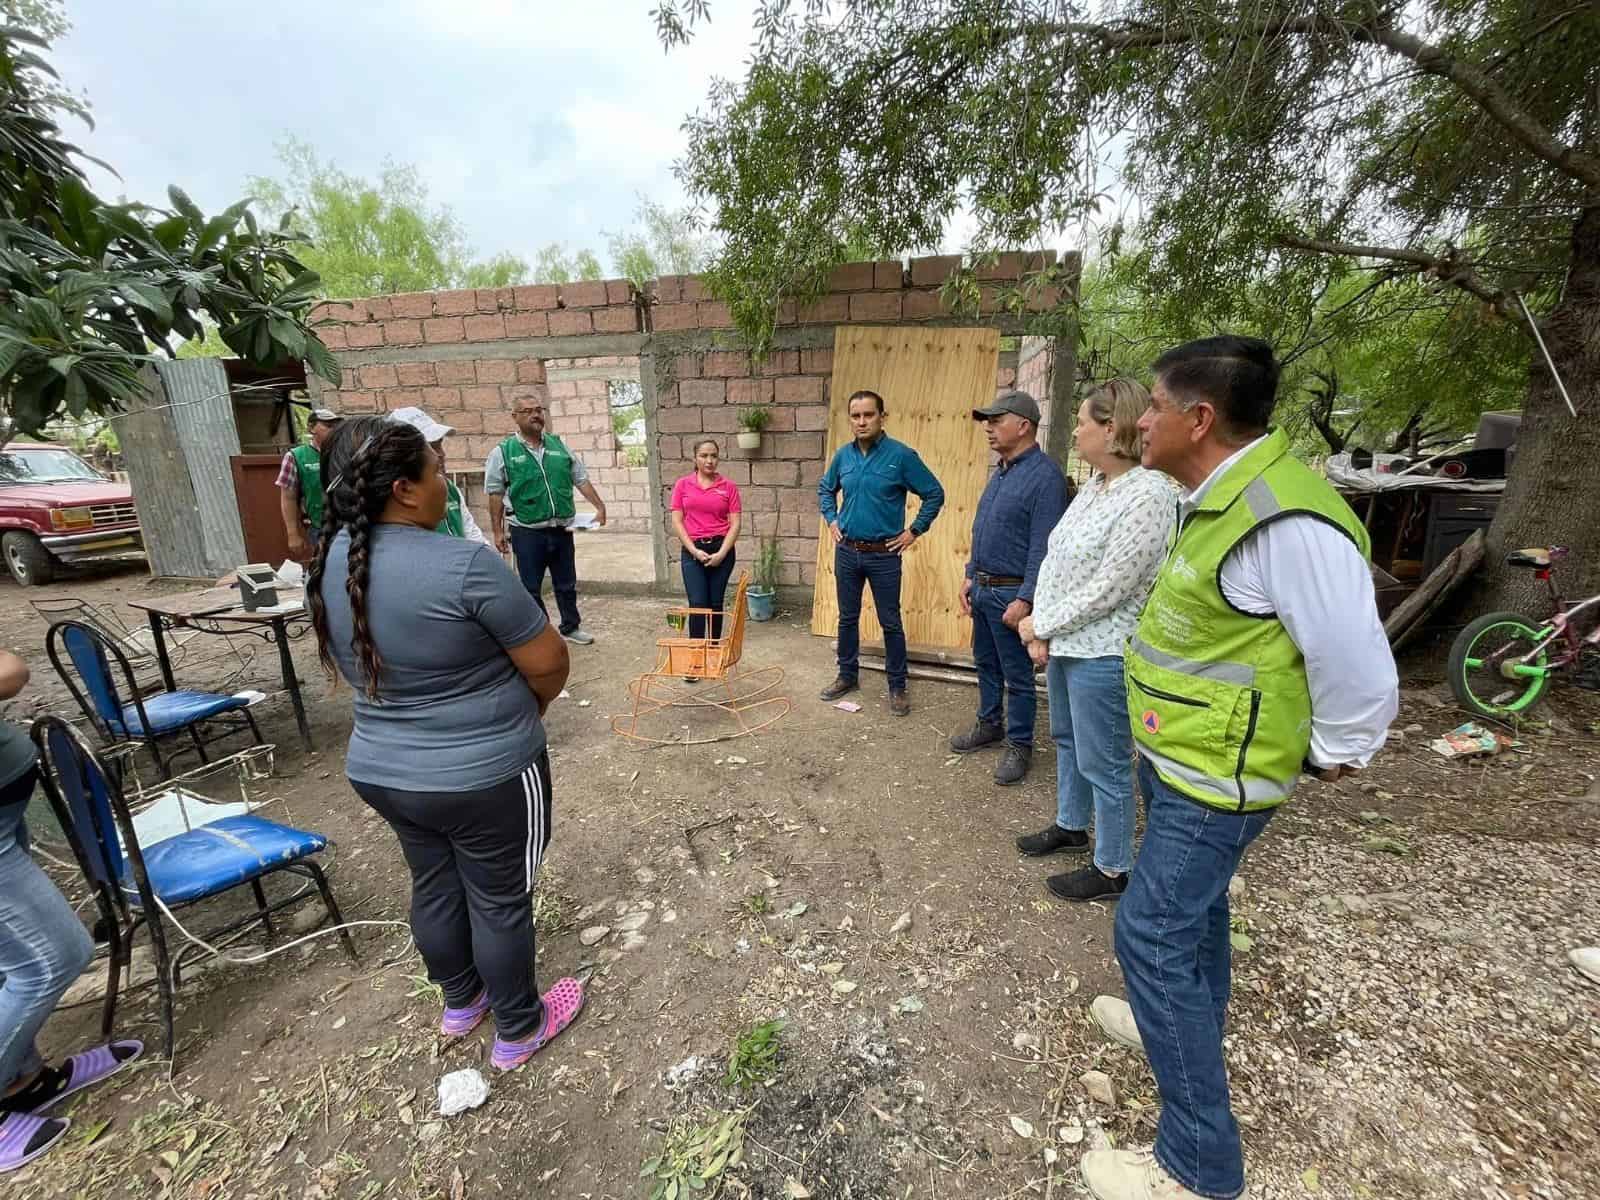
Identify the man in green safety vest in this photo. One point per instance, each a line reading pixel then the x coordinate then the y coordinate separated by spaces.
pixel 300 487
pixel 1259 656
pixel 533 474
pixel 458 520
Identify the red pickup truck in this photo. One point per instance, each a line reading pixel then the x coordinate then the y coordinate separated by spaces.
pixel 55 508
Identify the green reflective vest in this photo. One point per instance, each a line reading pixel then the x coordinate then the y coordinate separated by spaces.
pixel 308 464
pixel 538 491
pixel 1218 697
pixel 452 523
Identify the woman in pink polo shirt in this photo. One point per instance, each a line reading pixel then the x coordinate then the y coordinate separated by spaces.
pixel 705 516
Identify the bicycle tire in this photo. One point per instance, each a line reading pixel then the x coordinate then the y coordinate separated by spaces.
pixel 1512 698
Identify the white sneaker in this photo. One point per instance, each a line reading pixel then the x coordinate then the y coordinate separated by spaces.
pixel 1116 1021
pixel 1121 1175
pixel 1586 961
pixel 580 637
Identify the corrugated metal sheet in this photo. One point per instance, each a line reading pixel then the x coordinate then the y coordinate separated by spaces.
pixel 160 482
pixel 202 411
pixel 176 440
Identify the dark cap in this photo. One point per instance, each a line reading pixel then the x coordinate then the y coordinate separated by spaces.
pixel 1010 402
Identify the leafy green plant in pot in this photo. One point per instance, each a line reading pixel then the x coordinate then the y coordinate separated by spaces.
pixel 762 596
pixel 752 422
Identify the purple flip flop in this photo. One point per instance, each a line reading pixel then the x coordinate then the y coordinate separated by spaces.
pixel 24 1138
pixel 458 1022
pixel 77 1072
pixel 561 1005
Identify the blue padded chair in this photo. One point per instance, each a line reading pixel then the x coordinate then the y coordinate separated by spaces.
pixel 146 719
pixel 128 879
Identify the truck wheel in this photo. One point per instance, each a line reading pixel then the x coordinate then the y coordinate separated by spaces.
pixel 29 561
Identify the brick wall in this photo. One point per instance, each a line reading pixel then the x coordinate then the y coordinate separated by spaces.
pixel 460 355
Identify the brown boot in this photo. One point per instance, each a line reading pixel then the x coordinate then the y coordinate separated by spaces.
pixel 900 704
pixel 839 687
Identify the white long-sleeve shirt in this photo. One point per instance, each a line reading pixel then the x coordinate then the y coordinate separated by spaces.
pixel 1318 584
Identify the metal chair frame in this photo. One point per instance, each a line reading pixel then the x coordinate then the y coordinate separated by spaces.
pixel 138 644
pixel 151 741
pixel 707 660
pixel 120 918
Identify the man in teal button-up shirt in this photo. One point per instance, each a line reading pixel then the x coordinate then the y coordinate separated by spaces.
pixel 875 473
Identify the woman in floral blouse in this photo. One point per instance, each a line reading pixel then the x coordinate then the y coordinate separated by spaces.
pixel 1100 565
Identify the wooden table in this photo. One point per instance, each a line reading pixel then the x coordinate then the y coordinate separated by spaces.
pixel 220 610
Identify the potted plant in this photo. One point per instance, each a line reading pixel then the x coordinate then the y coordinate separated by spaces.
pixel 762 595
pixel 752 421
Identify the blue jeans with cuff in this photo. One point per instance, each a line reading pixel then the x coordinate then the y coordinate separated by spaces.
pixel 1004 668
pixel 1094 755
pixel 43 945
pixel 1172 944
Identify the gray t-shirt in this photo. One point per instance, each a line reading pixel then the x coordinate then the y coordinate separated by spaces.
pixel 453 714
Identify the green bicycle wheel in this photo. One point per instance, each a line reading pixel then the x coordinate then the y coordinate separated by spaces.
pixel 1486 675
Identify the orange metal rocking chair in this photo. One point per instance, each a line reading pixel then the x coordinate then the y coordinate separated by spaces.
pixel 743 697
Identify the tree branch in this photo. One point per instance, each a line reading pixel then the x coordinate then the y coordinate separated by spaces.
pixel 1470 78
pixel 1446 270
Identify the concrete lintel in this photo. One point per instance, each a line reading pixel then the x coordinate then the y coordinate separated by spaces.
pixel 567 374
pixel 592 345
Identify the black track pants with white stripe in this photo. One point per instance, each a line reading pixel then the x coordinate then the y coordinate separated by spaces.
pixel 473 857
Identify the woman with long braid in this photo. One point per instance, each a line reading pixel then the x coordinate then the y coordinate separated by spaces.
pixel 453 666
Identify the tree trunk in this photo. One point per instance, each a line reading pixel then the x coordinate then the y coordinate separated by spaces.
pixel 1553 495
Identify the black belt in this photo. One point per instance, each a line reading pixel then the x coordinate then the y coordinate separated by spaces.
pixel 984 579
pixel 709 543
pixel 869 547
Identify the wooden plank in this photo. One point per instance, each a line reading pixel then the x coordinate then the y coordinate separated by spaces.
pixel 162 490
pixel 931 380
pixel 1414 610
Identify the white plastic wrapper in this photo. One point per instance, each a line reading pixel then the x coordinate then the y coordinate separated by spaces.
pixel 461 1090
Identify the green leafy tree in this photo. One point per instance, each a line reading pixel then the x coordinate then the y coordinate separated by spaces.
pixel 663 241
pixel 557 263
pixel 372 239
pixel 1450 144
pixel 88 288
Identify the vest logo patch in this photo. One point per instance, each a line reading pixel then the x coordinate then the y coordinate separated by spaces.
pixel 1151 721
pixel 1181 568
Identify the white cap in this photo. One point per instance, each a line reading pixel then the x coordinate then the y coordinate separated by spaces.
pixel 430 429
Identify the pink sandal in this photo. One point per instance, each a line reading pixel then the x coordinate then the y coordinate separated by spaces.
pixel 562 1004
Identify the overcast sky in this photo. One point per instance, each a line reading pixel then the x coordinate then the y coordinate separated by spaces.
pixel 536 121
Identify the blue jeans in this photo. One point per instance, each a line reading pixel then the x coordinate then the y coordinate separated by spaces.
pixel 1172 944
pixel 1002 660
pixel 852 570
pixel 43 945
pixel 706 587
pixel 1094 755
pixel 538 549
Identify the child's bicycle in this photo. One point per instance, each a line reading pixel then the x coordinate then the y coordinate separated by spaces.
pixel 1502 663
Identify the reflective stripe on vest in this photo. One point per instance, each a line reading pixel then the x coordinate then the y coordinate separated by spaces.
pixel 1217 697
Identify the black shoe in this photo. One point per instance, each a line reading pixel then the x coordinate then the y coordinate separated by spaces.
pixel 900 704
pixel 1013 764
pixel 691 679
pixel 1087 883
pixel 982 734
pixel 1051 840
pixel 839 687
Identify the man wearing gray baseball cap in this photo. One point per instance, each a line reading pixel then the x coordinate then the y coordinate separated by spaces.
pixel 1025 497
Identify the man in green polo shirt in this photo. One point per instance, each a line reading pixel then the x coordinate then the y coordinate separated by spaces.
pixel 1258 656
pixel 533 474
pixel 300 487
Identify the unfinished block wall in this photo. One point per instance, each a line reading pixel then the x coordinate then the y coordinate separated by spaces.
pixel 461 355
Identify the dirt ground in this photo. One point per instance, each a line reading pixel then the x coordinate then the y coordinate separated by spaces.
pixel 1404 1022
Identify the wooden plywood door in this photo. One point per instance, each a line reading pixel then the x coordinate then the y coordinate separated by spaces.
pixel 930 380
